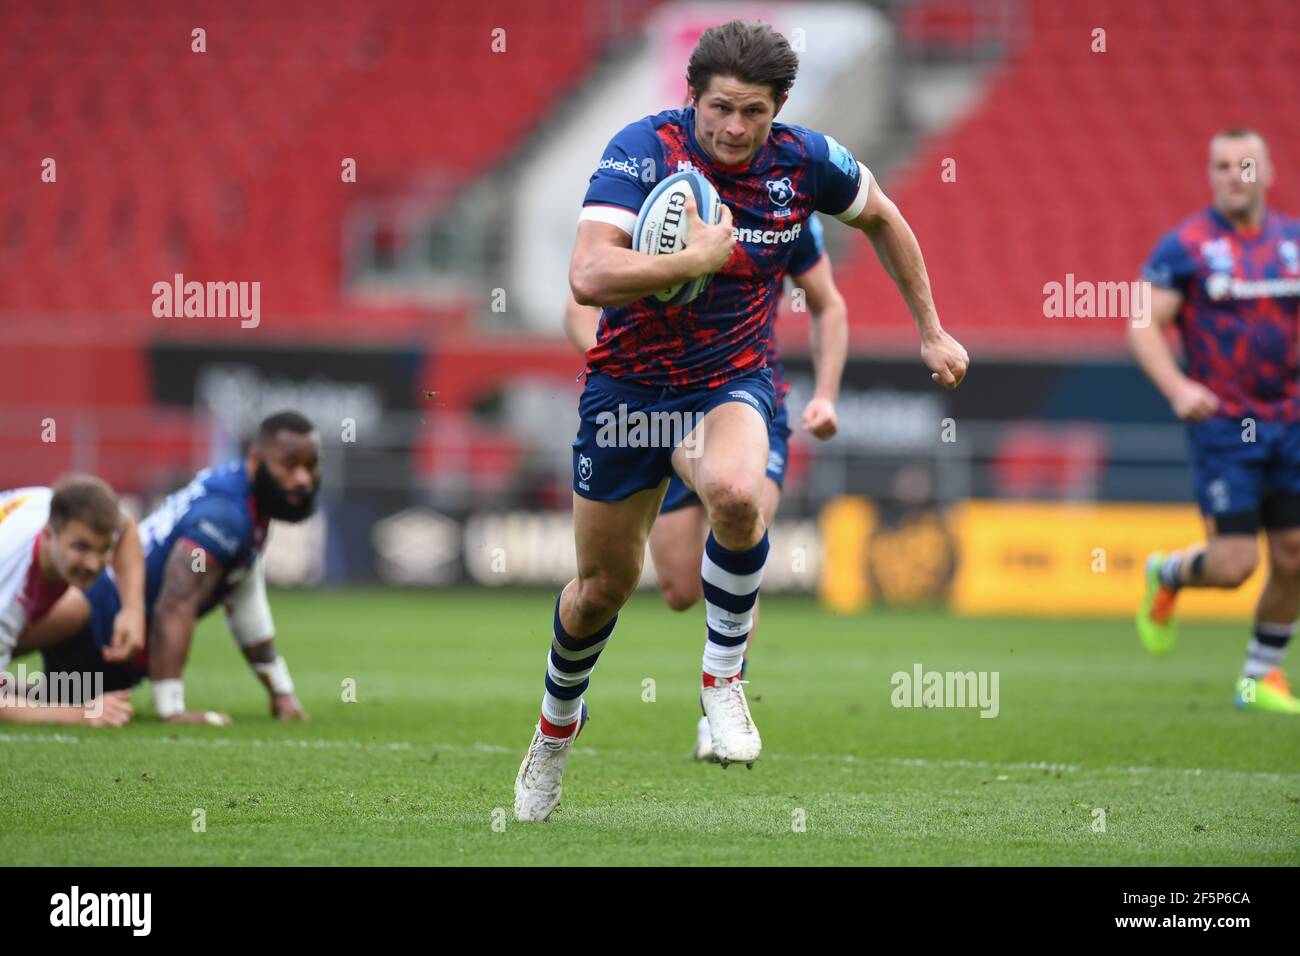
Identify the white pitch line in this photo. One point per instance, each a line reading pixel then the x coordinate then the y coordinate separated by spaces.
pixel 405 745
pixel 208 742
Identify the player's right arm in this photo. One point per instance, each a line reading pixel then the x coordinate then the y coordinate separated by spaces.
pixel 605 271
pixel 1167 269
pixel 580 323
pixel 190 579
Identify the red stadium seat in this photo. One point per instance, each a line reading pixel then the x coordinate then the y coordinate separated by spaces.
pixel 1126 128
pixel 153 139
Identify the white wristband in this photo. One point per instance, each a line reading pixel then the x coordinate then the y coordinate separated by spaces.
pixel 277 673
pixel 169 697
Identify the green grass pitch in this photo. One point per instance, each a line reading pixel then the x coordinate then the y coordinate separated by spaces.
pixel 422 765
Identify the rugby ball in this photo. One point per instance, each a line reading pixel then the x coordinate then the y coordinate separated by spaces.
pixel 661 226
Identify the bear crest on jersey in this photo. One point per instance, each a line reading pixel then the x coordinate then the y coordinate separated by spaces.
pixel 780 191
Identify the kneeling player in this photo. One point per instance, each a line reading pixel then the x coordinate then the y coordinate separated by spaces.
pixel 677 539
pixel 203 547
pixel 50 539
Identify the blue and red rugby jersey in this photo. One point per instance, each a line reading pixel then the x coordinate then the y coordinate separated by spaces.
pixel 215 511
pixel 1241 296
pixel 726 331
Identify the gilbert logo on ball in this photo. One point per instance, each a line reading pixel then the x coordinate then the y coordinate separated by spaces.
pixel 662 226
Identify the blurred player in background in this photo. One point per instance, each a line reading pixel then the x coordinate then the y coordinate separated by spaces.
pixel 202 547
pixel 677 539
pixel 1230 277
pixel 706 362
pixel 53 539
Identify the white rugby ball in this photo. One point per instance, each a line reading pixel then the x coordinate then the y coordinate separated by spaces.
pixel 661 226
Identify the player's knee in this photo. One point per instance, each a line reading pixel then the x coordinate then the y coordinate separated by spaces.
pixel 1284 560
pixel 681 595
pixel 734 507
pixel 603 595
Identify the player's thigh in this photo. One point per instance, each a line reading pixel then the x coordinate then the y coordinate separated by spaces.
pixel 778 459
pixel 677 548
pixel 610 536
pixel 1229 475
pixel 1280 512
pixel 69 616
pixel 729 454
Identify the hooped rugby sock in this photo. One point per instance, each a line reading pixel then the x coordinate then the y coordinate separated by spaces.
pixel 568 672
pixel 731 582
pixel 1267 647
pixel 1171 571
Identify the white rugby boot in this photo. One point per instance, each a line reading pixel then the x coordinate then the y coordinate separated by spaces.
pixel 541 776
pixel 703 741
pixel 734 736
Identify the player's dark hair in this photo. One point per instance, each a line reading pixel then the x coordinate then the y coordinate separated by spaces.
pixel 87 499
pixel 294 422
pixel 749 50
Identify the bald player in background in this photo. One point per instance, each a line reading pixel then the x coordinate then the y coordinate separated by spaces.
pixel 1228 278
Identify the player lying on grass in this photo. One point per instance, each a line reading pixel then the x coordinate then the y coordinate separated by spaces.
pixel 677 539
pixel 202 547
pixel 56 540
pixel 703 364
pixel 1230 278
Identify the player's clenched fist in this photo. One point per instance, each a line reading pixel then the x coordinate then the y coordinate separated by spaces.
pixel 819 418
pixel 1193 402
pixel 945 358
pixel 710 246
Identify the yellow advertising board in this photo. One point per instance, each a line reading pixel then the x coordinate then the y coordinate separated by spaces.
pixel 1086 559
pixel 846 526
pixel 901 558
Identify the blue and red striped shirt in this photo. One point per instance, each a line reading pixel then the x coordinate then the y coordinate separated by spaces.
pixel 1238 322
pixel 727 331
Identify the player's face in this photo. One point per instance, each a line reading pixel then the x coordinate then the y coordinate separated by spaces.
pixel 1240 173
pixel 78 552
pixel 287 475
pixel 732 119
